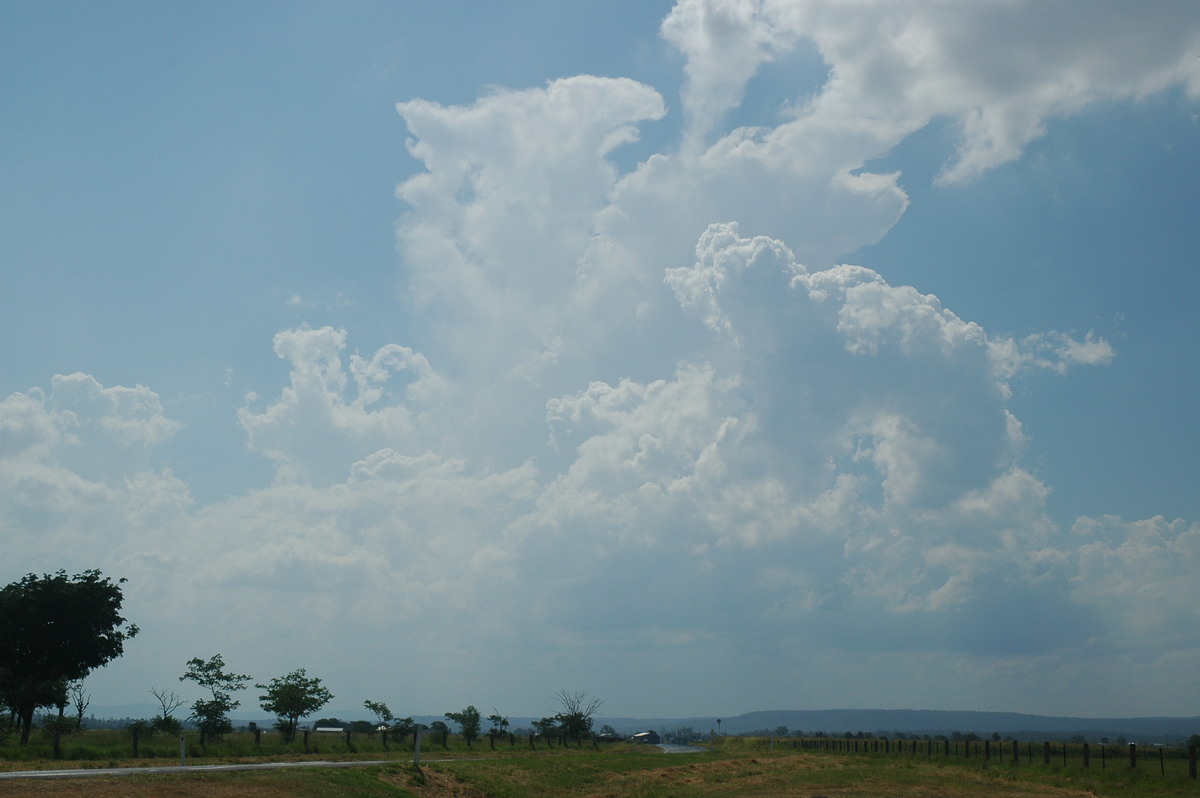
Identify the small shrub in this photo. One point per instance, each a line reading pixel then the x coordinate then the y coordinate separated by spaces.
pixel 168 725
pixel 143 728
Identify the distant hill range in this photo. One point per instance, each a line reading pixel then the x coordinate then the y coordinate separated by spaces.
pixel 836 722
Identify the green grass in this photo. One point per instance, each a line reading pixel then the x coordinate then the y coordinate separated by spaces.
pixel 756 768
pixel 104 746
pixel 735 766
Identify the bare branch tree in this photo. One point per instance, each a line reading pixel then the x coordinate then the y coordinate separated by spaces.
pixel 577 711
pixel 80 700
pixel 168 699
pixel 577 703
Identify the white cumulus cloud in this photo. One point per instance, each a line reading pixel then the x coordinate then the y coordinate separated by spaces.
pixel 655 408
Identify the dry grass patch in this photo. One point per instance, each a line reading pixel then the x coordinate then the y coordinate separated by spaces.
pixel 828 777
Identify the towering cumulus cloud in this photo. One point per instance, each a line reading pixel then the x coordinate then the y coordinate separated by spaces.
pixel 658 419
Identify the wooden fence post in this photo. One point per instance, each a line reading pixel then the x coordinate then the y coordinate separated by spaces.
pixel 1191 761
pixel 1016 753
pixel 1133 755
pixel 1087 756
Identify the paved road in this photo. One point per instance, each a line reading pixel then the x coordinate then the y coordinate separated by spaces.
pixel 87 772
pixel 84 772
pixel 680 749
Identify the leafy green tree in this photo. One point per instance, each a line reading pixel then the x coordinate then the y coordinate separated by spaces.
pixel 212 715
pixel 499 724
pixel 577 711
pixel 468 721
pixel 329 723
pixel 403 727
pixel 547 727
pixel 383 715
pixel 167 725
pixel 56 629
pixel 292 697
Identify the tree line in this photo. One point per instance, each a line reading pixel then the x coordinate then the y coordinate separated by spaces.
pixel 56 629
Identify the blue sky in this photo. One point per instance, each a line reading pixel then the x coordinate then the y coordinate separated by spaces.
pixel 727 343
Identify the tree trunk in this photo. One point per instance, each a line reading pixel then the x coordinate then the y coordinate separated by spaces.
pixel 25 716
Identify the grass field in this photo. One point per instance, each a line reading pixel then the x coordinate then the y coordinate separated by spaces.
pixel 746 768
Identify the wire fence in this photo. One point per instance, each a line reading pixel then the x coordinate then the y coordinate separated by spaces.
pixel 1087 755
